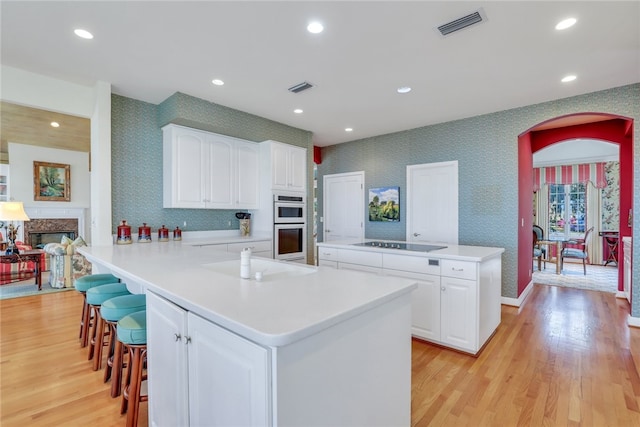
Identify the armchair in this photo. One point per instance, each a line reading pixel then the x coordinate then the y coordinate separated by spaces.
pixel 65 264
pixel 579 252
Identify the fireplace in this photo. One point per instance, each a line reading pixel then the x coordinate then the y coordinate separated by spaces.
pixel 39 232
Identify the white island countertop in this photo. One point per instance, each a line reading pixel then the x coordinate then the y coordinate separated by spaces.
pixel 292 302
pixel 457 252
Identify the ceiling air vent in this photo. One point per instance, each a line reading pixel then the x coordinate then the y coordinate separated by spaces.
pixel 461 23
pixel 300 87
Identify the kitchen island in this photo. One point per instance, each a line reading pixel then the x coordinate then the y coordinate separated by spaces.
pixel 302 346
pixel 457 303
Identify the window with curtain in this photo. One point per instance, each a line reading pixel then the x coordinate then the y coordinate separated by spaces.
pixel 567 210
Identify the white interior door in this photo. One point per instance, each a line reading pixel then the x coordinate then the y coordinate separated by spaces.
pixel 343 197
pixel 432 203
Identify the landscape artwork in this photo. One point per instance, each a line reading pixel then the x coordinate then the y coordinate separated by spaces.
pixel 51 181
pixel 384 204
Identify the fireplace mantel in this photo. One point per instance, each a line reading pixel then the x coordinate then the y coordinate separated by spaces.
pixel 59 213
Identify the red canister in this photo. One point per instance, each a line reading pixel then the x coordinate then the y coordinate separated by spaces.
pixel 124 234
pixel 163 234
pixel 144 233
pixel 177 234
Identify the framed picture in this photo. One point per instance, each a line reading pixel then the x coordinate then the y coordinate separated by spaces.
pixel 384 204
pixel 51 182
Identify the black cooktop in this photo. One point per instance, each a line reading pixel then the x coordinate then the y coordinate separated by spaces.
pixel 402 246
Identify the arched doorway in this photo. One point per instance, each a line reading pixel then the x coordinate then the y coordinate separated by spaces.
pixel 602 126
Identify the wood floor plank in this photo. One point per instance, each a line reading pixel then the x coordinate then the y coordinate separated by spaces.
pixel 567 358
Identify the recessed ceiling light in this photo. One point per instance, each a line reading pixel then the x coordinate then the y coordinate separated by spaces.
pixel 83 33
pixel 566 23
pixel 348 129
pixel 315 27
pixel 404 89
pixel 217 82
pixel 298 111
pixel 55 124
pixel 569 78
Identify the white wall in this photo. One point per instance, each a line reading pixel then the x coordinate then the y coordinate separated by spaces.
pixel 22 181
pixel 38 91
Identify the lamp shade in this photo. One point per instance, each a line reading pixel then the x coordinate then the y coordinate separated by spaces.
pixel 12 211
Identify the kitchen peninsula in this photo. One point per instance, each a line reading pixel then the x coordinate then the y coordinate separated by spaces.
pixel 457 303
pixel 303 345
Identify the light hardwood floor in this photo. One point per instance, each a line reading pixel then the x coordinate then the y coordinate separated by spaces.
pixel 567 359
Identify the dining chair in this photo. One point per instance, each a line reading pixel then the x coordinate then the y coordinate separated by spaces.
pixel 579 252
pixel 539 251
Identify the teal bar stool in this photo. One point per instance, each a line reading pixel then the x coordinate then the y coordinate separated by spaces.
pixel 132 332
pixel 95 297
pixel 112 310
pixel 82 284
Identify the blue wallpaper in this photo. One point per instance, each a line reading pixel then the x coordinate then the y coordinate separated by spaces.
pixel 136 160
pixel 486 148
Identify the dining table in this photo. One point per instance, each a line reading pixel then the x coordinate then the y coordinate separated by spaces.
pixel 559 242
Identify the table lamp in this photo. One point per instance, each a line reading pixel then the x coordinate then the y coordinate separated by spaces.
pixel 12 211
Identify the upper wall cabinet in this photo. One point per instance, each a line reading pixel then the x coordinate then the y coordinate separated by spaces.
pixel 204 170
pixel 288 165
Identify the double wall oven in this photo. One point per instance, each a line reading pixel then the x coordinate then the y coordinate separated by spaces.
pixel 289 227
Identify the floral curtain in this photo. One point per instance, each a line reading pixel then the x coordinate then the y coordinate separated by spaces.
pixel 570 174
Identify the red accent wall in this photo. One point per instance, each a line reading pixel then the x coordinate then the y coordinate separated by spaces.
pixel 525 210
pixel 618 130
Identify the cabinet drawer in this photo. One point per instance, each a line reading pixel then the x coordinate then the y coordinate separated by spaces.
pixel 328 254
pixel 324 263
pixel 360 257
pixel 359 267
pixel 411 263
pixel 459 269
pixel 257 246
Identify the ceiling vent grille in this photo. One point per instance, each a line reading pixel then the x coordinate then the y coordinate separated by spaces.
pixel 300 87
pixel 461 23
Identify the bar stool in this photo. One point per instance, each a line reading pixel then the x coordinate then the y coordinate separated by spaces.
pixel 132 332
pixel 82 284
pixel 111 311
pixel 95 297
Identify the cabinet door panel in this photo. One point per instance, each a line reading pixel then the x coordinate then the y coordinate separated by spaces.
pixel 220 182
pixel 279 172
pixel 167 363
pixel 229 381
pixel 247 176
pixel 188 169
pixel 459 313
pixel 425 304
pixel 297 169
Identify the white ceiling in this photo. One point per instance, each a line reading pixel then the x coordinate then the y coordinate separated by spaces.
pixel 150 50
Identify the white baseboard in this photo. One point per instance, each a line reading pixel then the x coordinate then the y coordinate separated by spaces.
pixel 518 302
pixel 633 321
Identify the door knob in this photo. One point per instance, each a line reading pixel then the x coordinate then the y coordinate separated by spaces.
pixel 177 337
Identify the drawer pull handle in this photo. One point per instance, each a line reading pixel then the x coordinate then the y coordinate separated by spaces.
pixel 177 337
pixel 457 269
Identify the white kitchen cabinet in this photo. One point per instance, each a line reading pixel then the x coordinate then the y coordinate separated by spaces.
pixel 458 313
pixel 287 165
pixel 457 303
pixel 201 374
pixel 203 170
pixel 425 304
